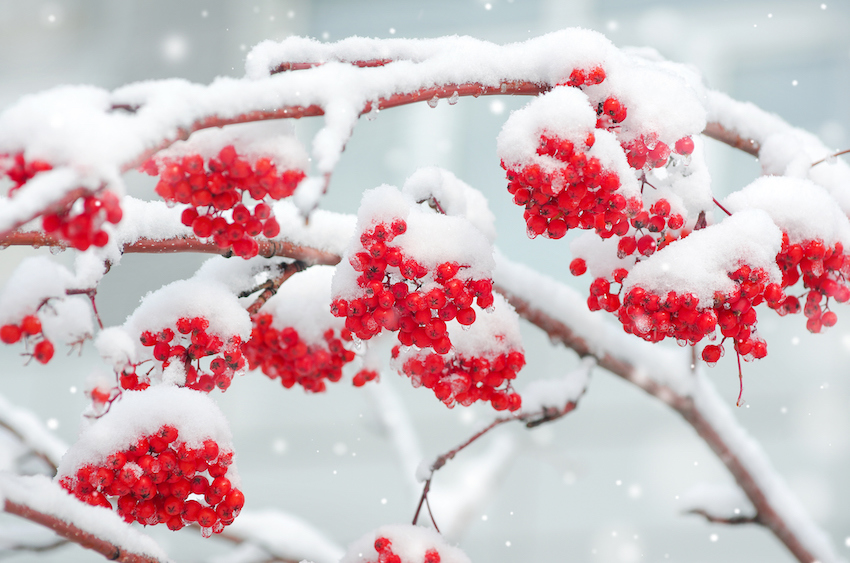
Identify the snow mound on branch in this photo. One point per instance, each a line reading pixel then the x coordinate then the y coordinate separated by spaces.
pixel 303 303
pixel 410 543
pixel 274 140
pixel 454 196
pixel 699 263
pixel 34 281
pixel 141 413
pixel 285 536
pixel 495 331
pixel 799 207
pixel 557 393
pixel 723 501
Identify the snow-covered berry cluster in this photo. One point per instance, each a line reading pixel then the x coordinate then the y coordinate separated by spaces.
pixel 384 547
pixel 187 345
pixel 406 273
pixel 161 480
pixel 216 191
pixel 162 455
pixel 399 293
pixel 30 330
pixel 403 544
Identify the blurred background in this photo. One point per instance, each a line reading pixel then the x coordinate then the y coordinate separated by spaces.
pixel 600 485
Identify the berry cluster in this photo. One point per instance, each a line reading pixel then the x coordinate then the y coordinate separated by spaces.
pixel 83 228
pixel 283 354
pixel 824 271
pixel 364 376
pixel 30 330
pixel 400 294
pixel 210 189
pixel 459 379
pixel 655 317
pixel 19 171
pixel 571 191
pixel 151 482
pixel 585 77
pixel 651 234
pixel 386 555
pixel 191 343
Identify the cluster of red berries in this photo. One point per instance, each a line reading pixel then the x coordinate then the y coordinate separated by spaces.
pixel 397 296
pixel 577 192
pixel 585 77
pixel 610 113
pixel 824 271
pixel 189 344
pixel 30 330
pixel 19 171
pixel 655 317
pixel 386 555
pixel 364 376
pixel 220 185
pixel 151 483
pixel 459 379
pixel 656 220
pixel 83 229
pixel 283 354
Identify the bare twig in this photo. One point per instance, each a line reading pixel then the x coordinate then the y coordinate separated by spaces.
pixel 833 155
pixel 718 520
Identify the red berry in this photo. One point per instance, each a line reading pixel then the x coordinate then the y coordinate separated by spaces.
pixel 578 266
pixel 10 334
pixel 43 351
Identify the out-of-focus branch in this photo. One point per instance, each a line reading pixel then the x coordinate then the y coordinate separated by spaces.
pixel 268 248
pixel 74 534
pixel 27 428
pixel 719 520
pixel 702 411
pixel 720 133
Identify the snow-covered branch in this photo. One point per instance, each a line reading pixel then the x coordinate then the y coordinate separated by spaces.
pixel 42 501
pixel 559 311
pixel 25 426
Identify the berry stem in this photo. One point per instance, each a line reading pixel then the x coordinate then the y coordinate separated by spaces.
pixel 91 293
pixel 839 153
pixel 717 203
pixel 740 380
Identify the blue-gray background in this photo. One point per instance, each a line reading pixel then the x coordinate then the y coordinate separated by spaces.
pixel 597 486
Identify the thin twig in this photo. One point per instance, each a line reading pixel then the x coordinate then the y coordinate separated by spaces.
pixel 272 285
pixel 720 520
pixel 839 153
pixel 717 203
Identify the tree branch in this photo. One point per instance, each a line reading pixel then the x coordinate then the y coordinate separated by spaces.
pixel 719 520
pixel 268 248
pixel 720 133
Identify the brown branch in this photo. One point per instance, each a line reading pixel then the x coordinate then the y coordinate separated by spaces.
pixel 720 133
pixel 719 520
pixel 268 248
pixel 834 155
pixel 766 513
pixel 289 66
pixel 271 286
pixel 77 535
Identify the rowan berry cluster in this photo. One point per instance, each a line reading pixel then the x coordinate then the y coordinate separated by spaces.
pixel 19 171
pixel 824 271
pixel 214 191
pixel 161 479
pixel 400 294
pixel 645 241
pixel 585 77
pixel 82 228
pixel 283 354
pixel 386 555
pixel 458 379
pixel 574 191
pixel 31 331
pixel 188 345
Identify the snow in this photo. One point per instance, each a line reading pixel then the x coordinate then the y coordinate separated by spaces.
pixel 303 303
pixel 799 207
pixel 699 263
pixel 142 413
pixel 41 494
pixel 408 542
pixel 284 536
